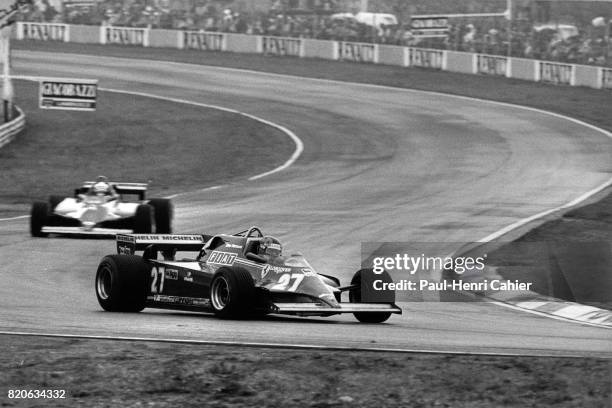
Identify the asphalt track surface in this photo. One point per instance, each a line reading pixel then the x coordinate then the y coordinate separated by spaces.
pixel 379 164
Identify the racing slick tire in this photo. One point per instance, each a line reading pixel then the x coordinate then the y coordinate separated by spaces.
pixel 54 200
pixel 143 219
pixel 231 292
pixel 162 209
pixel 355 297
pixel 121 283
pixel 38 218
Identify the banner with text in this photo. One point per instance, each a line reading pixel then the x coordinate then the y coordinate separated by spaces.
pixel 282 46
pixel 429 26
pixel 201 40
pixel 43 31
pixel 491 65
pixel 124 36
pixel 68 94
pixel 425 58
pixel 555 73
pixel 357 52
pixel 606 78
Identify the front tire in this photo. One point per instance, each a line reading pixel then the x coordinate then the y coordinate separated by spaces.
pixel 38 218
pixel 163 215
pixel 121 283
pixel 355 297
pixel 143 219
pixel 232 292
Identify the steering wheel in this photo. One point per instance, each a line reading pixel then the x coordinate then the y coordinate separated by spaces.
pixel 254 232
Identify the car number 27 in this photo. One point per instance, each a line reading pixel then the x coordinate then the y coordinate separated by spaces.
pixel 288 282
pixel 158 274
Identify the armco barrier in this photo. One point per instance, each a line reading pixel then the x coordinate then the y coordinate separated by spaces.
pixel 587 76
pixel 85 34
pixel 164 38
pixel 242 43
pixel 390 55
pixel 463 62
pixel 10 129
pixel 522 68
pixel 43 31
pixel 460 62
pixel 320 49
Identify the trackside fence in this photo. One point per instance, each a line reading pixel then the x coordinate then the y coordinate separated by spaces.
pixel 556 73
pixel 9 130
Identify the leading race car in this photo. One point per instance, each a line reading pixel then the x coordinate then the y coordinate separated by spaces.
pixel 233 276
pixel 102 207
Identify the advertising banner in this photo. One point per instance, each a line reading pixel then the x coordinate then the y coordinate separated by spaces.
pixel 201 40
pixel 357 52
pixel 43 31
pixel 606 78
pixel 491 65
pixel 282 46
pixel 425 58
pixel 429 26
pixel 555 73
pixel 124 36
pixel 68 94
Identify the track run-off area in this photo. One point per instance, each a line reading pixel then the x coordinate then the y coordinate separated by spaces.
pixel 378 165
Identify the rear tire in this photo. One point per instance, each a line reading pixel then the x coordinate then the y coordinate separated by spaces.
pixel 143 219
pixel 54 200
pixel 121 283
pixel 355 297
pixel 38 218
pixel 163 215
pixel 232 292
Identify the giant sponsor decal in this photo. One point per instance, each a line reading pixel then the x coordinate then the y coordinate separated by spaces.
pixel 201 40
pixel 124 36
pixel 425 58
pixel 606 78
pixel 222 258
pixel 357 52
pixel 68 94
pixel 429 26
pixel 43 31
pixel 556 73
pixel 282 46
pixel 491 65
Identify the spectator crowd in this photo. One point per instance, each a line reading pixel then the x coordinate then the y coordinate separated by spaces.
pixel 584 43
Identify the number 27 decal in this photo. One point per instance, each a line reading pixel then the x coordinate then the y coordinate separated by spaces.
pixel 157 284
pixel 288 282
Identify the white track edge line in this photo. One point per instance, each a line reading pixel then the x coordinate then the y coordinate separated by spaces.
pixel 298 346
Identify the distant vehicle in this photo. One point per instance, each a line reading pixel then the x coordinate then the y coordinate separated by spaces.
pixel 563 31
pixel 371 19
pixel 233 276
pixel 102 208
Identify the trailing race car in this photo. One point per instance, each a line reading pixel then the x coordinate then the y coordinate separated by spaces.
pixel 102 208
pixel 233 276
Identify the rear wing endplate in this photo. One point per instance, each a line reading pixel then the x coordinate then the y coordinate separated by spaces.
pixel 128 244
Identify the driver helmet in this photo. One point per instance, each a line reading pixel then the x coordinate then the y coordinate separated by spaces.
pixel 101 186
pixel 270 246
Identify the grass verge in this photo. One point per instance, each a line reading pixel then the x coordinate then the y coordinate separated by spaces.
pixel 98 373
pixel 175 147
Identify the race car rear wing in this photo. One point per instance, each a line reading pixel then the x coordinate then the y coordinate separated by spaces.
pixel 128 244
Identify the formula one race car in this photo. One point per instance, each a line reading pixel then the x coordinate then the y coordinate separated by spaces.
pixel 233 276
pixel 102 208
